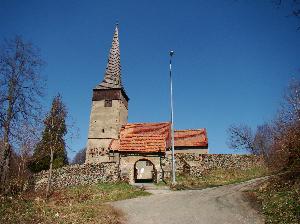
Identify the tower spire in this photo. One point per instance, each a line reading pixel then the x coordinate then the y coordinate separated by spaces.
pixel 112 76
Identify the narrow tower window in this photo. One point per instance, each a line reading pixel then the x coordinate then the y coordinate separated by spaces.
pixel 107 103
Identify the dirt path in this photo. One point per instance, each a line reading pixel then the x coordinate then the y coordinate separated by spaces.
pixel 218 205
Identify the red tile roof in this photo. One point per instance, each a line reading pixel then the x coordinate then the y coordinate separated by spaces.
pixel 186 138
pixel 145 137
pixel 155 137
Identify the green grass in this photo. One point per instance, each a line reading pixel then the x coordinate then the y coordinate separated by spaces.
pixel 280 199
pixel 102 192
pixel 80 204
pixel 218 177
pixel 161 184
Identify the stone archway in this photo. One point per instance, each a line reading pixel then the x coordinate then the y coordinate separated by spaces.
pixel 144 171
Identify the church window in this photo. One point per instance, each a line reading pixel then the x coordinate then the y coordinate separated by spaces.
pixel 107 103
pixel 102 130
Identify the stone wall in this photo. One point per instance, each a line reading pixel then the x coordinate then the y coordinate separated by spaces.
pixel 198 164
pixel 194 164
pixel 85 174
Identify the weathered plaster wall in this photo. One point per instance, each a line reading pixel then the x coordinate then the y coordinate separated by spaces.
pixel 97 150
pixel 79 175
pixel 144 169
pixel 105 124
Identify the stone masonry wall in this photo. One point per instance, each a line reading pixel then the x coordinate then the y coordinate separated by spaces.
pixel 85 174
pixel 198 164
pixel 105 125
pixel 190 163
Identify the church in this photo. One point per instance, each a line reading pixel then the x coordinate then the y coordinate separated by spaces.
pixel 138 148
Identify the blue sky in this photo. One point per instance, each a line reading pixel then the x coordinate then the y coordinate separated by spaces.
pixel 233 58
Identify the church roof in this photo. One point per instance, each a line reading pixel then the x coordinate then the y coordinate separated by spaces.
pixel 155 137
pixel 145 137
pixel 190 138
pixel 112 77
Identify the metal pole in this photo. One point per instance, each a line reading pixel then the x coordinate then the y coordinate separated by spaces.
pixel 172 122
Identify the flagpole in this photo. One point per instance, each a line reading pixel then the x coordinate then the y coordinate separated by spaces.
pixel 172 122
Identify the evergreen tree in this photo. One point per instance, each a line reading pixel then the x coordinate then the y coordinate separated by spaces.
pixel 52 139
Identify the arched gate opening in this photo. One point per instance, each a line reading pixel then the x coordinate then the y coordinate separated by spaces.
pixel 144 171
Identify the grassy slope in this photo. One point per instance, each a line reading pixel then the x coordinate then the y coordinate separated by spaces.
pixel 279 198
pixel 82 204
pixel 219 177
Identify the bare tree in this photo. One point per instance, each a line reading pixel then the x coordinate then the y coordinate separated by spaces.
pixel 258 142
pixel 30 137
pixel 290 109
pixel 264 140
pixel 21 89
pixel 278 141
pixel 241 137
pixel 80 156
pixel 287 126
pixel 294 4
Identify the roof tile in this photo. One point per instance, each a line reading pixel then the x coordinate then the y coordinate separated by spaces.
pixel 155 137
pixel 192 138
pixel 145 137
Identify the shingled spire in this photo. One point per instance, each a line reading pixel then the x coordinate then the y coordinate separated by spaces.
pixel 112 77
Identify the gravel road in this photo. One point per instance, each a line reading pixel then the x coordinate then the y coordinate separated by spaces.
pixel 219 205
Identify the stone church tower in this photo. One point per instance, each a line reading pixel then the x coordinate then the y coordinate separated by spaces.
pixel 109 108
